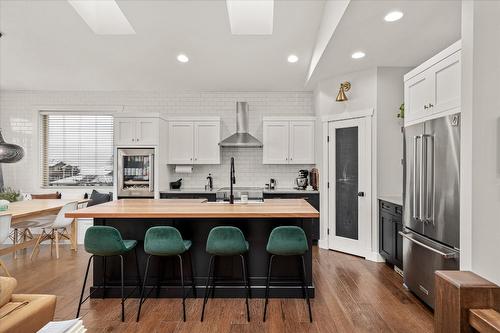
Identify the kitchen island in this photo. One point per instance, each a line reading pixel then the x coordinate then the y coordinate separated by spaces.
pixel 194 218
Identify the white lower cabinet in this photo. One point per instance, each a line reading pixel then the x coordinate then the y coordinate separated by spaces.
pixel 194 142
pixel 288 141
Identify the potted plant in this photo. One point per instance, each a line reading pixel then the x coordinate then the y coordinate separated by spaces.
pixel 9 194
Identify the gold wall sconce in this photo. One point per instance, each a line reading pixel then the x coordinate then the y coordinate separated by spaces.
pixel 341 96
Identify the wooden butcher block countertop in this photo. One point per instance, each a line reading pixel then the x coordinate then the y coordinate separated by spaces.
pixel 197 208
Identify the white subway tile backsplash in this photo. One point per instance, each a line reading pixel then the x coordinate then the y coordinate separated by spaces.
pixel 19 121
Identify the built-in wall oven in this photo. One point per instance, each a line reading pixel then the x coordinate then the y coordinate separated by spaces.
pixel 135 174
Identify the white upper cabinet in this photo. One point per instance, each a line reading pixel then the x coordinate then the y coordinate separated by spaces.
pixel 432 89
pixel 180 142
pixel 275 137
pixel 288 141
pixel 301 148
pixel 206 142
pixel 136 131
pixel 194 142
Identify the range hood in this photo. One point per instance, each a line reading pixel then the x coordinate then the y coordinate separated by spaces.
pixel 241 139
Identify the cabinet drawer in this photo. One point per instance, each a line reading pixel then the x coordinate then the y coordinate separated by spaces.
pixel 391 208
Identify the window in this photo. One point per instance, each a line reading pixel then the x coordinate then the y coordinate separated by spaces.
pixel 76 149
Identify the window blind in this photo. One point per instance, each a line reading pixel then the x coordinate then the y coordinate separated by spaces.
pixel 76 150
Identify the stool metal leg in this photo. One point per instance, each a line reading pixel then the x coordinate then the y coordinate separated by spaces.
pixel 304 286
pixel 193 286
pixel 103 276
pixel 143 287
pixel 247 286
pixel 205 298
pixel 267 285
pixel 123 298
pixel 181 267
pixel 137 267
pixel 214 277
pixel 83 287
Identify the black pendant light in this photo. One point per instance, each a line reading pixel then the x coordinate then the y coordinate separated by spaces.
pixel 10 153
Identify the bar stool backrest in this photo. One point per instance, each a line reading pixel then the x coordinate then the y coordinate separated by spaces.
pixel 5 221
pixel 61 221
pixel 103 241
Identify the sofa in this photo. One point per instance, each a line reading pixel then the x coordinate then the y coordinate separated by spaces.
pixel 22 312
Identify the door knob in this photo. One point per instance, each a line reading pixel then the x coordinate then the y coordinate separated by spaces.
pixel 361 194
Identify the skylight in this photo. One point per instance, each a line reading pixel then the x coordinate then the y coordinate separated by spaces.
pixel 251 17
pixel 103 17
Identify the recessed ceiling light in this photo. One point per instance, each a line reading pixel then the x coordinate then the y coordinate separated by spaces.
pixel 103 17
pixel 358 55
pixel 250 17
pixel 182 58
pixel 293 58
pixel 393 16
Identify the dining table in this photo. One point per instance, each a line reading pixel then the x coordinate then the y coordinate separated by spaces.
pixel 28 210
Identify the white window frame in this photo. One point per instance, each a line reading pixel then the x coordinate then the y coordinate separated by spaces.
pixel 108 110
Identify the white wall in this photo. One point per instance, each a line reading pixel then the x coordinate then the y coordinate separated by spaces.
pixel 380 89
pixel 390 95
pixel 480 162
pixel 19 120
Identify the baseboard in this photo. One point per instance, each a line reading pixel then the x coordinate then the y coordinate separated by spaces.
pixel 374 256
pixel 323 244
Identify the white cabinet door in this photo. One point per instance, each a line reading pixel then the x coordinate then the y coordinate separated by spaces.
pixel 418 96
pixel 275 137
pixel 124 131
pixel 147 131
pixel 446 77
pixel 180 142
pixel 301 150
pixel 206 142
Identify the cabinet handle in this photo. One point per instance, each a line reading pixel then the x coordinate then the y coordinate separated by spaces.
pixel 133 140
pixel 426 107
pixel 430 105
pixel 136 139
pixel 291 158
pixel 286 158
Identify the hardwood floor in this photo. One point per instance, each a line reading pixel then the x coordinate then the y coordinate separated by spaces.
pixel 352 295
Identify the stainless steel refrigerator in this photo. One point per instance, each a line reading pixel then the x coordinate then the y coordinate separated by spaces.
pixel 431 197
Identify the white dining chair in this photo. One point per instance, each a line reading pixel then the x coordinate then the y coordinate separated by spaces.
pixel 58 228
pixel 5 221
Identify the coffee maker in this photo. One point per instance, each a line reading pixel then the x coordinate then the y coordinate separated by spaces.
pixel 301 180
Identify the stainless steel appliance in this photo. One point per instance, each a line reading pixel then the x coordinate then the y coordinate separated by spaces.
pixel 241 139
pixel 301 180
pixel 431 213
pixel 135 173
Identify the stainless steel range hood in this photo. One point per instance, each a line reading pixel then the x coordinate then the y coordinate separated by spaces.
pixel 241 139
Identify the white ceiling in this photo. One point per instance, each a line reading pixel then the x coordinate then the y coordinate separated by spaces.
pixel 426 28
pixel 47 46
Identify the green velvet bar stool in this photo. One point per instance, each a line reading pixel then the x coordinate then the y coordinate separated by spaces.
pixel 288 241
pixel 104 241
pixel 164 241
pixel 226 241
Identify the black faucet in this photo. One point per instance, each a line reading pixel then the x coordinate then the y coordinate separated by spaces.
pixel 232 180
pixel 210 182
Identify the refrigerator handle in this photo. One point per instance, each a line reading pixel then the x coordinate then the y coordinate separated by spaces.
pixel 151 172
pixel 429 183
pixel 415 176
pixel 423 179
pixel 449 255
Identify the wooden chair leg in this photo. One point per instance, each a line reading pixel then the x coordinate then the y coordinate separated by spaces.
pixel 14 241
pixel 36 247
pixel 56 235
pixel 4 268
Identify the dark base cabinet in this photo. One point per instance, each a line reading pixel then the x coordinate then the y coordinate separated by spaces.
pixel 311 198
pixel 390 241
